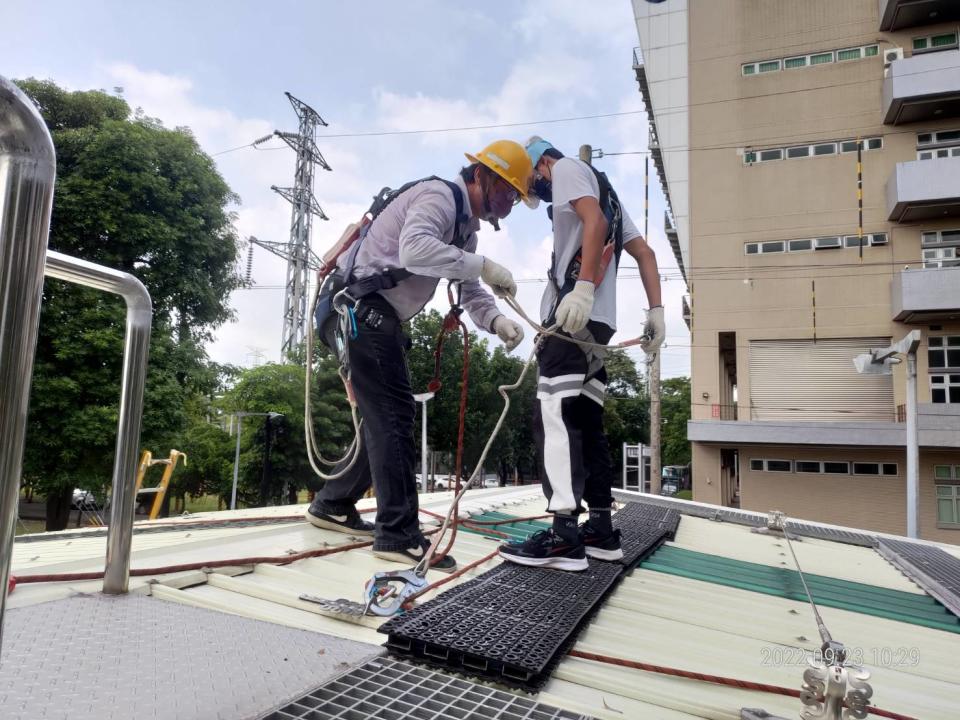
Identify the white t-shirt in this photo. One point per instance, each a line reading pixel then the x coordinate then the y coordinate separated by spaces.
pixel 573 179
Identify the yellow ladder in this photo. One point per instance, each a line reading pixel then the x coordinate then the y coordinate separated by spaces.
pixel 158 492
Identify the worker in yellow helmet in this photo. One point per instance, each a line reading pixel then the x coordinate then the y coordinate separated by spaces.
pixel 419 234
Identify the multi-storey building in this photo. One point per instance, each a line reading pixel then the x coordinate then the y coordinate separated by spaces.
pixel 758 109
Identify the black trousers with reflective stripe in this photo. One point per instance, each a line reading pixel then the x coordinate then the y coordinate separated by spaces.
pixel 572 448
pixel 381 383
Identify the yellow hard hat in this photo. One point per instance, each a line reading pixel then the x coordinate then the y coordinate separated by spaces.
pixel 508 160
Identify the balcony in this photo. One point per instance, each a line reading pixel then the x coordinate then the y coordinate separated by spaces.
pixel 922 87
pixel 924 190
pixel 900 14
pixel 926 295
pixel 685 301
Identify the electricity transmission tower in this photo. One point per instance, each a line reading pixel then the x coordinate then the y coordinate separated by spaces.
pixel 297 250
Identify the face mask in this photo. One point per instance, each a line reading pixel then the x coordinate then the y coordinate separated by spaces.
pixel 543 189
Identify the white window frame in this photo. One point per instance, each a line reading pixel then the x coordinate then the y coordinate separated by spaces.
pixel 818 471
pixel 756 460
pixel 767 461
pixel 790 243
pixel 950 380
pixel 823 145
pixel 776 61
pixel 878 239
pixel 806 148
pixel 929 43
pixel 853 468
pixel 805 58
pixel 859 56
pixel 934 238
pixel 826 243
pixel 831 53
pixel 762 159
pixel 839 462
pixel 896 469
pixel 752 69
pixel 939 257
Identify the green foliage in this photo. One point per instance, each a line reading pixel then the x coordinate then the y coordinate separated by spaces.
pixel 139 198
pixel 280 389
pixel 675 408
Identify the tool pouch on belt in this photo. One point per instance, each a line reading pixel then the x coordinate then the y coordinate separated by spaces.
pixel 326 317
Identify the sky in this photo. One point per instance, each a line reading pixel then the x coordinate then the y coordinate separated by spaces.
pixel 370 66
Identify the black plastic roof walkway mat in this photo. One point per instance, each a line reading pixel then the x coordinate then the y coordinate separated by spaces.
pixel 391 689
pixel 511 624
pixel 644 527
pixel 936 571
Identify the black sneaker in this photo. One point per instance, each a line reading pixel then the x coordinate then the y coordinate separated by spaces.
pixel 546 549
pixel 351 523
pixel 601 546
pixel 412 556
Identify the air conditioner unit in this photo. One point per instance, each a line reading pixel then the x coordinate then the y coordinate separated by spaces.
pixel 892 54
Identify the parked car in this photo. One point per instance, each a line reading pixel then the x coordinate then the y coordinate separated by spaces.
pixel 82 499
pixel 668 489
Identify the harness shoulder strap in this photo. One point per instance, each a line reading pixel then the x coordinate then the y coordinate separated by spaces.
pixel 389 279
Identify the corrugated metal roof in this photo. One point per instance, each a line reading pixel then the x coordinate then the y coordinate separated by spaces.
pixel 652 617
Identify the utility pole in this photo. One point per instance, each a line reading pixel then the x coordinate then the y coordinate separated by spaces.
pixel 305 206
pixel 654 368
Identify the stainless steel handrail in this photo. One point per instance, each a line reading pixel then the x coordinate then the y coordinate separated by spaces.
pixel 136 349
pixel 27 171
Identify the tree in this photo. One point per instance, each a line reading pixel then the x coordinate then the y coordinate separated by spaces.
pixel 675 404
pixel 280 389
pixel 140 198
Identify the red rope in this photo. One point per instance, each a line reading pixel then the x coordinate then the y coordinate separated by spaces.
pixel 717 679
pixel 231 562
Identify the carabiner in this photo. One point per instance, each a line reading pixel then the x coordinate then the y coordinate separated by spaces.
pixel 386 592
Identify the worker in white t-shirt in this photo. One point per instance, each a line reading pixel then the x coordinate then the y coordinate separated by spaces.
pixel 590 229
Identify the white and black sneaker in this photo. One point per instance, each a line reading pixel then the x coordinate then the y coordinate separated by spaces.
pixel 546 549
pixel 350 523
pixel 602 546
pixel 412 556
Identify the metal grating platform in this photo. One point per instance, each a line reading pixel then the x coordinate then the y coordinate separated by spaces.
pixel 393 690
pixel 507 624
pixel 97 657
pixel 931 568
pixel 749 518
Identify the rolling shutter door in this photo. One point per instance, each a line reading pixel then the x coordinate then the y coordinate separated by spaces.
pixel 807 380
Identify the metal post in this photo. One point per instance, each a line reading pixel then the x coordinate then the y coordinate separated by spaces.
pixel 27 172
pixel 136 349
pixel 623 482
pixel 236 464
pixel 423 447
pixel 913 449
pixel 422 399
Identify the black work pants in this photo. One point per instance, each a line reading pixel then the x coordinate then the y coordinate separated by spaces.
pixel 381 384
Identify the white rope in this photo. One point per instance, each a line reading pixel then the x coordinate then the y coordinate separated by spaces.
pixel 313 447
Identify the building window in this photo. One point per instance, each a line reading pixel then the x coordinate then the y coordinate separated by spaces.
pixel 938 145
pixel 940 257
pixel 778 465
pixel 937 238
pixel 943 352
pixel 809 466
pixel 808 244
pixel 947 480
pixel 756 465
pixel 934 43
pixel 836 468
pixel 821 58
pixel 849 54
pixel 945 388
pixel 890 469
pixel 816 149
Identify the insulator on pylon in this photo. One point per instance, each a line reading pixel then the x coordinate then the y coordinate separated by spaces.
pixel 249 263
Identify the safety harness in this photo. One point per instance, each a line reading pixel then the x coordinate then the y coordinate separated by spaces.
pixel 612 246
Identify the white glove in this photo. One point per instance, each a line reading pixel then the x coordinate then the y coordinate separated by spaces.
pixel 654 330
pixel 573 312
pixel 498 278
pixel 508 331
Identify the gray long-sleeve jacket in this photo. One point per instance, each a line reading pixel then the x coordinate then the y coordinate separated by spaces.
pixel 415 232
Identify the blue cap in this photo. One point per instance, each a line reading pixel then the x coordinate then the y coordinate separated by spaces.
pixel 536 147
